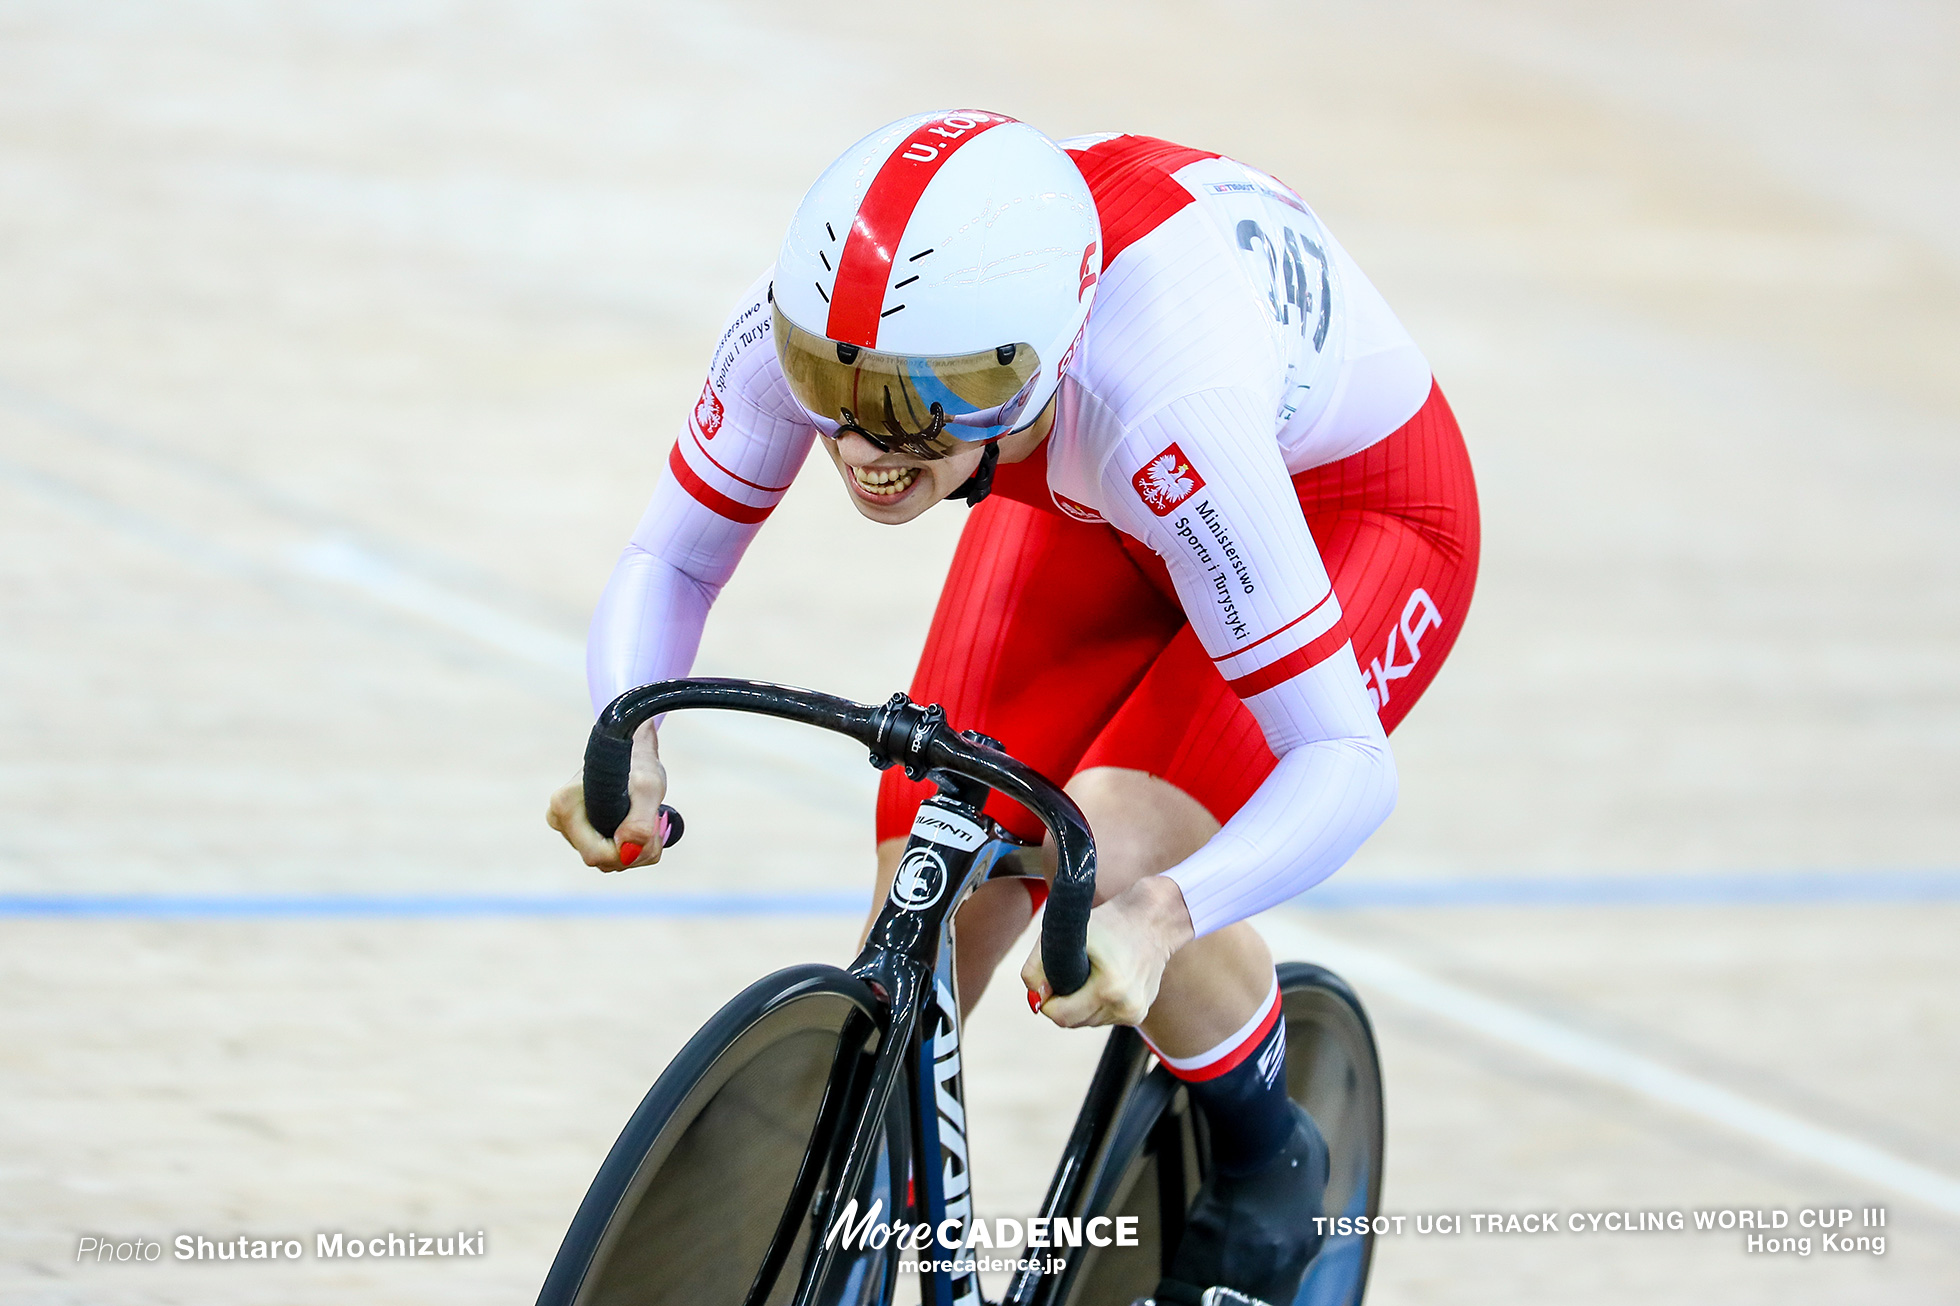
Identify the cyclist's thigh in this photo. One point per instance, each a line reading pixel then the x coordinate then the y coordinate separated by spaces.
pixel 1182 725
pixel 1398 528
pixel 1396 525
pixel 1043 628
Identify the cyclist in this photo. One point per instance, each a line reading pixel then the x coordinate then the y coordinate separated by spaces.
pixel 1224 532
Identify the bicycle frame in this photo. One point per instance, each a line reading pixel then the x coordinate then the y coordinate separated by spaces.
pixel 907 962
pixel 910 1036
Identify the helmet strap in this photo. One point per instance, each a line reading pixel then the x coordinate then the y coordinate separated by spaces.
pixel 981 484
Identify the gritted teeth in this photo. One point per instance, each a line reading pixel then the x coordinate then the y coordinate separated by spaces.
pixel 885 481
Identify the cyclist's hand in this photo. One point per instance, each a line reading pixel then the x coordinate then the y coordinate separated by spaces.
pixel 646 785
pixel 1131 939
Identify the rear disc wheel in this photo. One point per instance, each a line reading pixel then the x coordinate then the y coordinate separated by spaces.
pixel 1332 1070
pixel 1157 1155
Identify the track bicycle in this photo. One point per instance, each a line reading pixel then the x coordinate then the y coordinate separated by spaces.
pixel 822 1103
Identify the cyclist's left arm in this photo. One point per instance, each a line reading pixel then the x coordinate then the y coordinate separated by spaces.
pixel 1259 599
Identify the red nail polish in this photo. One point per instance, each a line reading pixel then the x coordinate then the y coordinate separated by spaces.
pixel 1034 1002
pixel 629 853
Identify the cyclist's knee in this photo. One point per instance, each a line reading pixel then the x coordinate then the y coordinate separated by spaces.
pixel 1143 825
pixel 889 852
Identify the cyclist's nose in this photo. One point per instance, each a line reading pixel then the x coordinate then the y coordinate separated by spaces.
pixel 856 451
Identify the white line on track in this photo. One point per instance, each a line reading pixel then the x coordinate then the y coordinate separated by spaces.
pixel 340 561
pixel 817 771
pixel 789 752
pixel 1602 1060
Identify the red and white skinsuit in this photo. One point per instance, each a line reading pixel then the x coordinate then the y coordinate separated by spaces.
pixel 1237 562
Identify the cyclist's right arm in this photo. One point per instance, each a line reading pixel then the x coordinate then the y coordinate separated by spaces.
pixel 736 455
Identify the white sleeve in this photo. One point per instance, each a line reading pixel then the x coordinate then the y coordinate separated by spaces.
pixel 734 460
pixel 648 623
pixel 1202 482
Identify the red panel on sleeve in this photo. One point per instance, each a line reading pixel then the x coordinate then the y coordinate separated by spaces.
pixel 1226 657
pixel 1300 659
pixel 709 497
pixel 702 449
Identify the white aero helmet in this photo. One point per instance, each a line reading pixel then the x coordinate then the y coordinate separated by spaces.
pixel 934 280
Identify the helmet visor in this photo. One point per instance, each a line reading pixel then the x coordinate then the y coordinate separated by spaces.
pixel 903 403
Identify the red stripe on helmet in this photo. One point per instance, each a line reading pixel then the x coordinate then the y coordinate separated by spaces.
pixel 864 268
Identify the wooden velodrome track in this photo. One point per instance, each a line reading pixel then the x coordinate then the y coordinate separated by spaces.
pixel 341 343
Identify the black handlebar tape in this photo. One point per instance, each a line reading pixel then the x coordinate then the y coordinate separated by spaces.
pixel 1064 957
pixel 607 761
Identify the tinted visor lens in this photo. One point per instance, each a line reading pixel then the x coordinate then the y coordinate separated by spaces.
pixel 903 404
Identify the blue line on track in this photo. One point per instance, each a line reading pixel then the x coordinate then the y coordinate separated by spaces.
pixel 1686 889
pixel 1727 889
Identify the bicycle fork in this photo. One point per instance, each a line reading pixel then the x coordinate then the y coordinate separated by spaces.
pixel 939 1108
pixel 908 962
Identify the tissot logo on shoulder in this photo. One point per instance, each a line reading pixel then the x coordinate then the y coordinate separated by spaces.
pixel 947 828
pixel 1079 511
pixel 1167 480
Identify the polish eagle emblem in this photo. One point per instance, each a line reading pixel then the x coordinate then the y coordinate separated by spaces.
pixel 1167 480
pixel 707 411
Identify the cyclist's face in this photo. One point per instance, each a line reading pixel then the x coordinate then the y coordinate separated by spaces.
pixel 893 488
